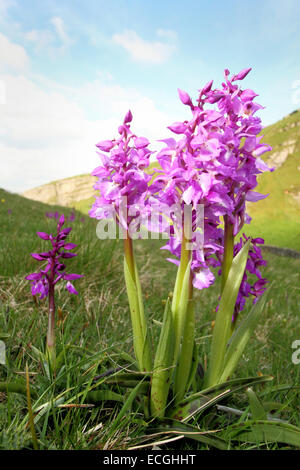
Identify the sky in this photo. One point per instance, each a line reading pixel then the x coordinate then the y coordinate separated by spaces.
pixel 70 70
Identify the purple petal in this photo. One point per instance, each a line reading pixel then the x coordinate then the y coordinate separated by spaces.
pixel 71 288
pixel 242 74
pixel 177 127
pixel 253 196
pixel 70 246
pixel 128 117
pixel 67 255
pixel 34 277
pixel 37 256
pixel 203 279
pixel 141 142
pixel 105 145
pixel 43 235
pixel 72 277
pixel 61 220
pixel 184 97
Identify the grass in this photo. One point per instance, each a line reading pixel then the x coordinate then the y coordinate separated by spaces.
pixel 97 321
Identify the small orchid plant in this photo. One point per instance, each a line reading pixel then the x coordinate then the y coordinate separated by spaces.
pixel 213 163
pixel 46 279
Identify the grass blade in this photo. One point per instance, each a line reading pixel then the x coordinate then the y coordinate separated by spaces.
pixel 30 414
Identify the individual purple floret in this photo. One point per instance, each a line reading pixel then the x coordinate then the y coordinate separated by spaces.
pixel 54 271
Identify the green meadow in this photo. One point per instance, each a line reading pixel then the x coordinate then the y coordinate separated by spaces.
pixel 93 331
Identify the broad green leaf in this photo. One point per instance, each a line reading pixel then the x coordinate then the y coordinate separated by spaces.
pixel 256 407
pixel 163 365
pixel 15 387
pixel 103 395
pixel 194 366
pixel 129 380
pixel 191 432
pixel 222 326
pixel 240 339
pixel 241 382
pixel 200 401
pixel 261 432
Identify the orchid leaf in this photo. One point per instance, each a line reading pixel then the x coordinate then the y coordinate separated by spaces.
pixel 205 398
pixel 240 339
pixel 184 367
pixel 179 308
pixel 222 326
pixel 262 432
pixel 194 366
pixel 256 407
pixel 103 395
pixel 16 387
pixel 163 365
pixel 191 432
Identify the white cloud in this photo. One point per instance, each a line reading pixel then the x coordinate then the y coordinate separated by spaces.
pixel 60 31
pixel 41 38
pixel 48 131
pixel 153 52
pixel 12 56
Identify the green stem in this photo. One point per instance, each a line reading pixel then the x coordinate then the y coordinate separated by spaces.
pixel 179 302
pixel 138 319
pixel 183 369
pixel 129 255
pixel 50 344
pixel 228 250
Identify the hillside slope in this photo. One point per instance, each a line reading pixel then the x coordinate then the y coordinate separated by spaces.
pixel 67 192
pixel 278 216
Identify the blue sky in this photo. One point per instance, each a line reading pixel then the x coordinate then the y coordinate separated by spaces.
pixel 69 70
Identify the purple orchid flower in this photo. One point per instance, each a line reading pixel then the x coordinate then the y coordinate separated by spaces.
pixel 54 270
pixel 215 162
pixel 44 281
pixel 121 175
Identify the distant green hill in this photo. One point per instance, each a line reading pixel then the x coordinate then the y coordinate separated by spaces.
pixel 278 216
